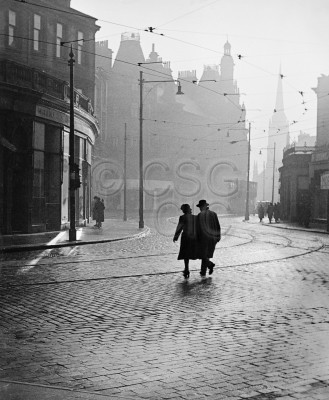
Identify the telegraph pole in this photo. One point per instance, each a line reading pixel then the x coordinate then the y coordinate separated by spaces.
pixel 125 177
pixel 72 169
pixel 273 175
pixel 141 188
pixel 246 218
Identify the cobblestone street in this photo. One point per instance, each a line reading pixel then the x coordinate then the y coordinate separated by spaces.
pixel 117 320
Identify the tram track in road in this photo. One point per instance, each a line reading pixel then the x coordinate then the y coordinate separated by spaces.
pixel 251 238
pixel 52 256
pixel 143 274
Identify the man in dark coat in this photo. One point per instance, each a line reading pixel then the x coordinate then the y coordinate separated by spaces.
pixel 261 212
pixel 209 234
pixel 270 210
pixel 98 211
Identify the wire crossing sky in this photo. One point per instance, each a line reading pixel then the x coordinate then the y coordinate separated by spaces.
pixel 264 35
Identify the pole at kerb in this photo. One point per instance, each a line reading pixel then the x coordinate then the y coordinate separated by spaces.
pixel 246 217
pixel 72 231
pixel 125 177
pixel 264 180
pixel 273 174
pixel 141 188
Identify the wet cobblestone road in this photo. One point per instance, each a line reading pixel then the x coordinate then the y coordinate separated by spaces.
pixel 119 320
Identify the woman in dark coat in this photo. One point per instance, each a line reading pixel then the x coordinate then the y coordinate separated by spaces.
pixel 261 212
pixel 188 244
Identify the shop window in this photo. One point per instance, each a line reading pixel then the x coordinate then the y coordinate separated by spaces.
pixel 38 205
pixel 53 139
pixel 11 27
pixel 38 174
pixel 47 176
pixel 65 178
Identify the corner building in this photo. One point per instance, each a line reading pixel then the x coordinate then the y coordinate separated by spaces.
pixel 34 114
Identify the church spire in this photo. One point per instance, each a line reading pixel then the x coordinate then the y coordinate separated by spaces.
pixel 279 106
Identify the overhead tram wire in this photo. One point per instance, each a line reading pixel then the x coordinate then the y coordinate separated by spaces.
pixel 151 30
pixel 188 13
pixel 182 79
pixel 153 73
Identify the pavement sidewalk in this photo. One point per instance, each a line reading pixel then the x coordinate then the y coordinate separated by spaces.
pixel 315 227
pixel 113 229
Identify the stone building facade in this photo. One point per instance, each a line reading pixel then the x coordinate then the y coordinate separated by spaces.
pixel 194 144
pixel 34 114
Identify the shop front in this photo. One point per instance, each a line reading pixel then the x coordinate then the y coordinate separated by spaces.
pixel 319 169
pixel 34 158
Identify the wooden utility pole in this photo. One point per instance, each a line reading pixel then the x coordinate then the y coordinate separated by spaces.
pixel 248 172
pixel 125 177
pixel 273 174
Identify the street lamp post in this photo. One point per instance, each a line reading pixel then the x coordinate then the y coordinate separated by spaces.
pixel 141 187
pixel 248 172
pixel 72 231
pixel 125 176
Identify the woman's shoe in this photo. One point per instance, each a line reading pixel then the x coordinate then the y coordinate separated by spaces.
pixel 186 274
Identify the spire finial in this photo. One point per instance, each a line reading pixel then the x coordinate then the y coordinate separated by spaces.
pixel 279 93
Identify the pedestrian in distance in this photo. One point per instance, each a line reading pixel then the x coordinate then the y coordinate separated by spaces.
pixel 101 213
pixel 98 211
pixel 261 212
pixel 270 210
pixel 188 244
pixel 209 234
pixel 276 212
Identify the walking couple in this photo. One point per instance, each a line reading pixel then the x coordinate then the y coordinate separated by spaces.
pixel 200 234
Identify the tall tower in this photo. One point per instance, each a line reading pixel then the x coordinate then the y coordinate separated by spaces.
pixel 227 64
pixel 278 139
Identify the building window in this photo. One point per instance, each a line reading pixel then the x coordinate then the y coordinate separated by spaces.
pixel 80 43
pixel 11 27
pixel 36 31
pixel 59 36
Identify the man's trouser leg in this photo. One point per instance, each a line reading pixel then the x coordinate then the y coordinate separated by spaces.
pixel 204 265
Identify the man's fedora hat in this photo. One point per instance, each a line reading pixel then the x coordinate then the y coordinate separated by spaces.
pixel 202 203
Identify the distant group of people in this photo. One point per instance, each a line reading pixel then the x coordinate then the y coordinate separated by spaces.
pixel 200 234
pixel 98 211
pixel 272 211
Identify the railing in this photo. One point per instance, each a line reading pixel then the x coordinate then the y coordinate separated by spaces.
pixel 23 76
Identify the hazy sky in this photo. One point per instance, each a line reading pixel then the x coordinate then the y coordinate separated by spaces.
pixel 267 33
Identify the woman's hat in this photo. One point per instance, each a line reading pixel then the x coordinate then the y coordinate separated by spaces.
pixel 185 207
pixel 202 203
